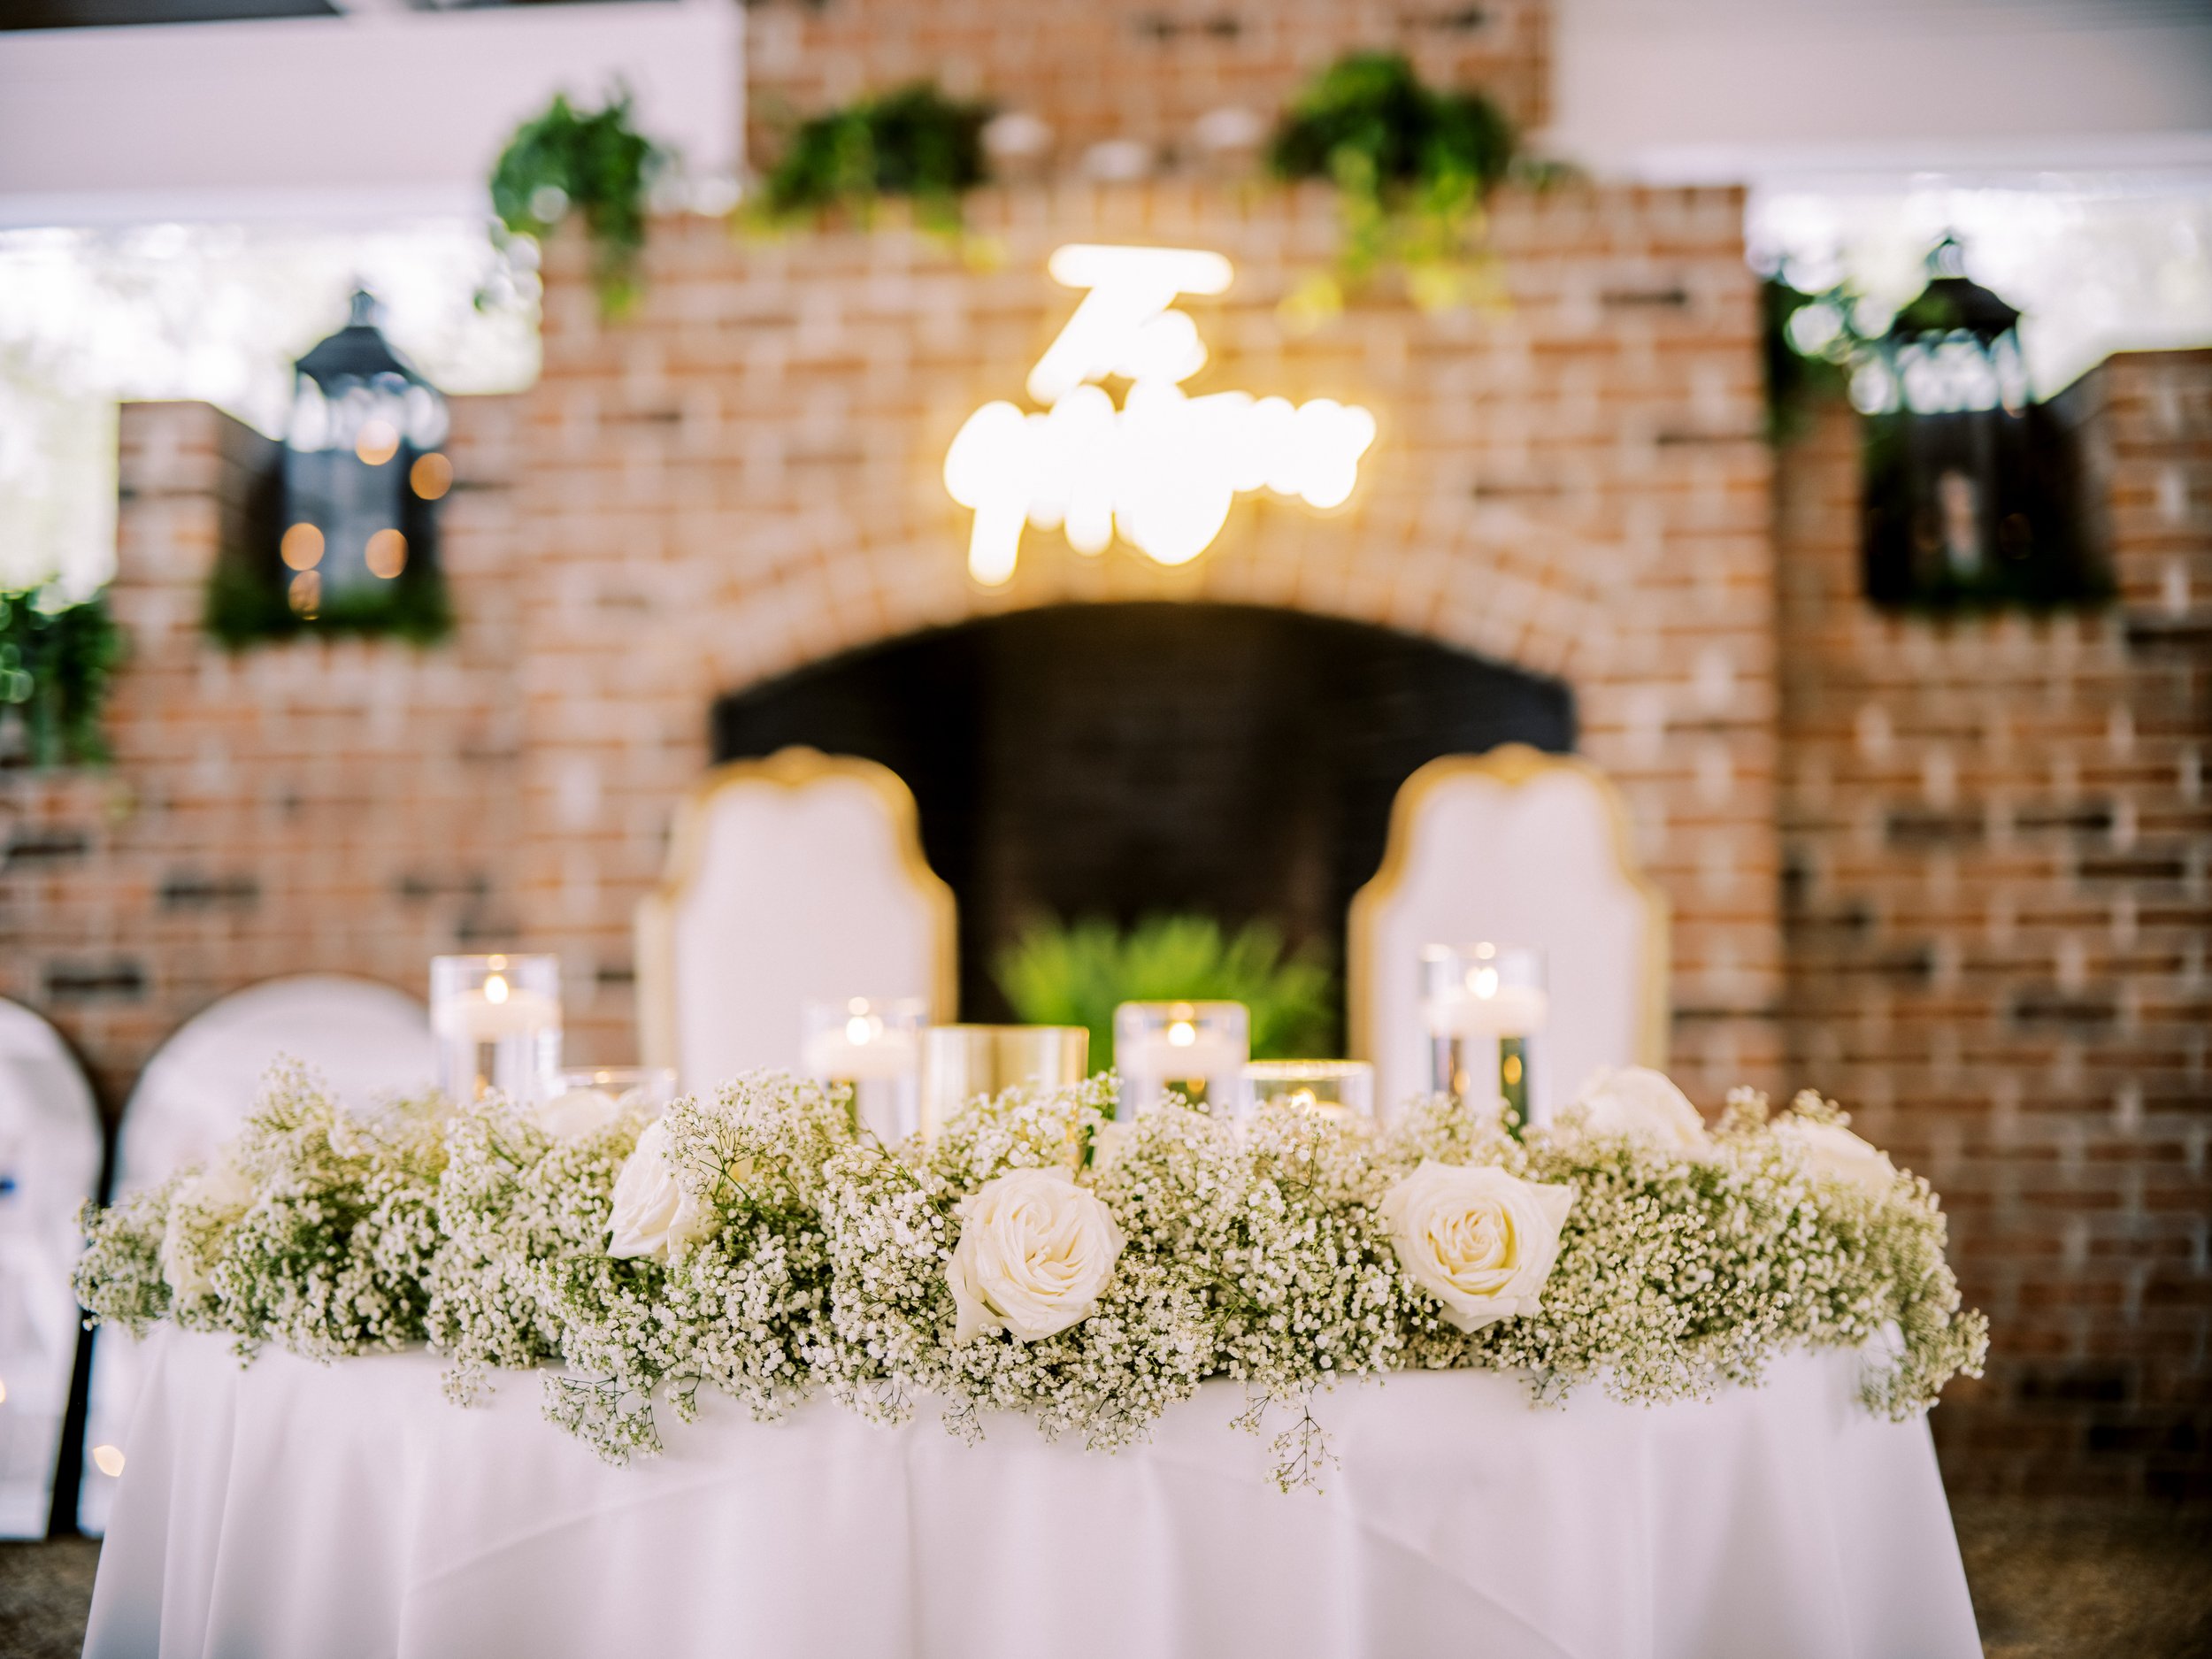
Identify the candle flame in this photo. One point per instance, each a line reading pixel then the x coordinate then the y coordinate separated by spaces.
pixel 495 989
pixel 859 1029
pixel 1484 983
pixel 1182 1033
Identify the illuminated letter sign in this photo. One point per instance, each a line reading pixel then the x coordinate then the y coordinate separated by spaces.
pixel 1162 469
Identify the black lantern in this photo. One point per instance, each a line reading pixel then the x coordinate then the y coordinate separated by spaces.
pixel 363 471
pixel 1971 486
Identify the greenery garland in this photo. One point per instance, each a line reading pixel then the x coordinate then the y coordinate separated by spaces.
pixel 913 142
pixel 1411 167
pixel 246 605
pixel 593 162
pixel 56 665
pixel 756 1244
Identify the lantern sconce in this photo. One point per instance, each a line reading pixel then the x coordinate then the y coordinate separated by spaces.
pixel 1972 487
pixel 359 479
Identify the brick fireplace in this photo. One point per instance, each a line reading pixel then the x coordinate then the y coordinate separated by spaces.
pixel 1956 873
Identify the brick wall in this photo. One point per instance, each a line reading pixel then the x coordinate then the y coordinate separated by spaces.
pixel 1996 838
pixel 746 475
pixel 1147 70
pixel 332 806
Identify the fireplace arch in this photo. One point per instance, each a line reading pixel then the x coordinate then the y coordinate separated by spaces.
pixel 1122 759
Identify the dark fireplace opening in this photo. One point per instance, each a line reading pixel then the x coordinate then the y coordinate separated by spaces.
pixel 1128 760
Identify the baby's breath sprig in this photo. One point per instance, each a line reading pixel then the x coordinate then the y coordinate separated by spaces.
pixel 819 1260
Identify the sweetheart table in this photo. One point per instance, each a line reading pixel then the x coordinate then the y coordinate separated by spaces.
pixel 289 1509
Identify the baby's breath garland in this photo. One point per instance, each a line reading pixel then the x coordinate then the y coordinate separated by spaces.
pixel 1039 1257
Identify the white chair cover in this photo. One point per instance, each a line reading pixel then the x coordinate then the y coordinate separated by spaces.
pixel 793 878
pixel 367 1041
pixel 49 1165
pixel 1520 848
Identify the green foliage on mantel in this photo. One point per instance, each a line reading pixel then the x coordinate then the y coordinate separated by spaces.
pixel 594 164
pixel 914 143
pixel 1411 165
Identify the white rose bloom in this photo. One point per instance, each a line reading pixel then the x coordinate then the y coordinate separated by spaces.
pixel 1035 1250
pixel 209 1203
pixel 653 1215
pixel 578 1113
pixel 1835 1153
pixel 1642 1104
pixel 1481 1241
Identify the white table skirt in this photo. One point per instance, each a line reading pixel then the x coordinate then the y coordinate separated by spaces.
pixel 289 1510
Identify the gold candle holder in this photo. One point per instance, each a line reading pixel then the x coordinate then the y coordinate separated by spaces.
pixel 961 1062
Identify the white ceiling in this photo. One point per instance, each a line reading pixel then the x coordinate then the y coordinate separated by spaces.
pixel 382 114
pixel 1750 89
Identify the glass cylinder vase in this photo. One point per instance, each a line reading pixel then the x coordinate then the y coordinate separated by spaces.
pixel 1198 1049
pixel 497 1023
pixel 1336 1088
pixel 871 1046
pixel 961 1062
pixel 1485 1006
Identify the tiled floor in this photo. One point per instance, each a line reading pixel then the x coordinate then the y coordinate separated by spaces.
pixel 2063 1580
pixel 45 1590
pixel 2051 1580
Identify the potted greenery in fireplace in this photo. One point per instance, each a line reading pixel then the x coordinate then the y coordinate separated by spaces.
pixel 1077 973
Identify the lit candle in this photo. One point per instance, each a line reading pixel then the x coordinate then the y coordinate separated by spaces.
pixel 1492 1008
pixel 871 1046
pixel 1339 1089
pixel 497 1020
pixel 1198 1049
pixel 863 1047
pixel 494 1010
pixel 1184 1054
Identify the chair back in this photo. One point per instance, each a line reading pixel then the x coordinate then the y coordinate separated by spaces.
pixel 365 1039
pixel 793 878
pixel 1520 848
pixel 49 1165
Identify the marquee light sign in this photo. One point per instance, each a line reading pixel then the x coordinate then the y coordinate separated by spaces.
pixel 1162 469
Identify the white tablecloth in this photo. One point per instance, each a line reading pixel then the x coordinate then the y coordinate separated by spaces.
pixel 294 1510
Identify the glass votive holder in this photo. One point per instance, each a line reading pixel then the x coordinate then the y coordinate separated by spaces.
pixel 961 1062
pixel 1336 1088
pixel 496 1020
pixel 585 1098
pixel 1196 1048
pixel 871 1046
pixel 1485 1006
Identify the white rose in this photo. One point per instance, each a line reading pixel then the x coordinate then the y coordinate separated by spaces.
pixel 1481 1241
pixel 202 1209
pixel 653 1215
pixel 1835 1153
pixel 578 1113
pixel 1035 1250
pixel 1640 1104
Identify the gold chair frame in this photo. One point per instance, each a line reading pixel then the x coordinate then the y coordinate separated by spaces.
pixel 794 768
pixel 1512 765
